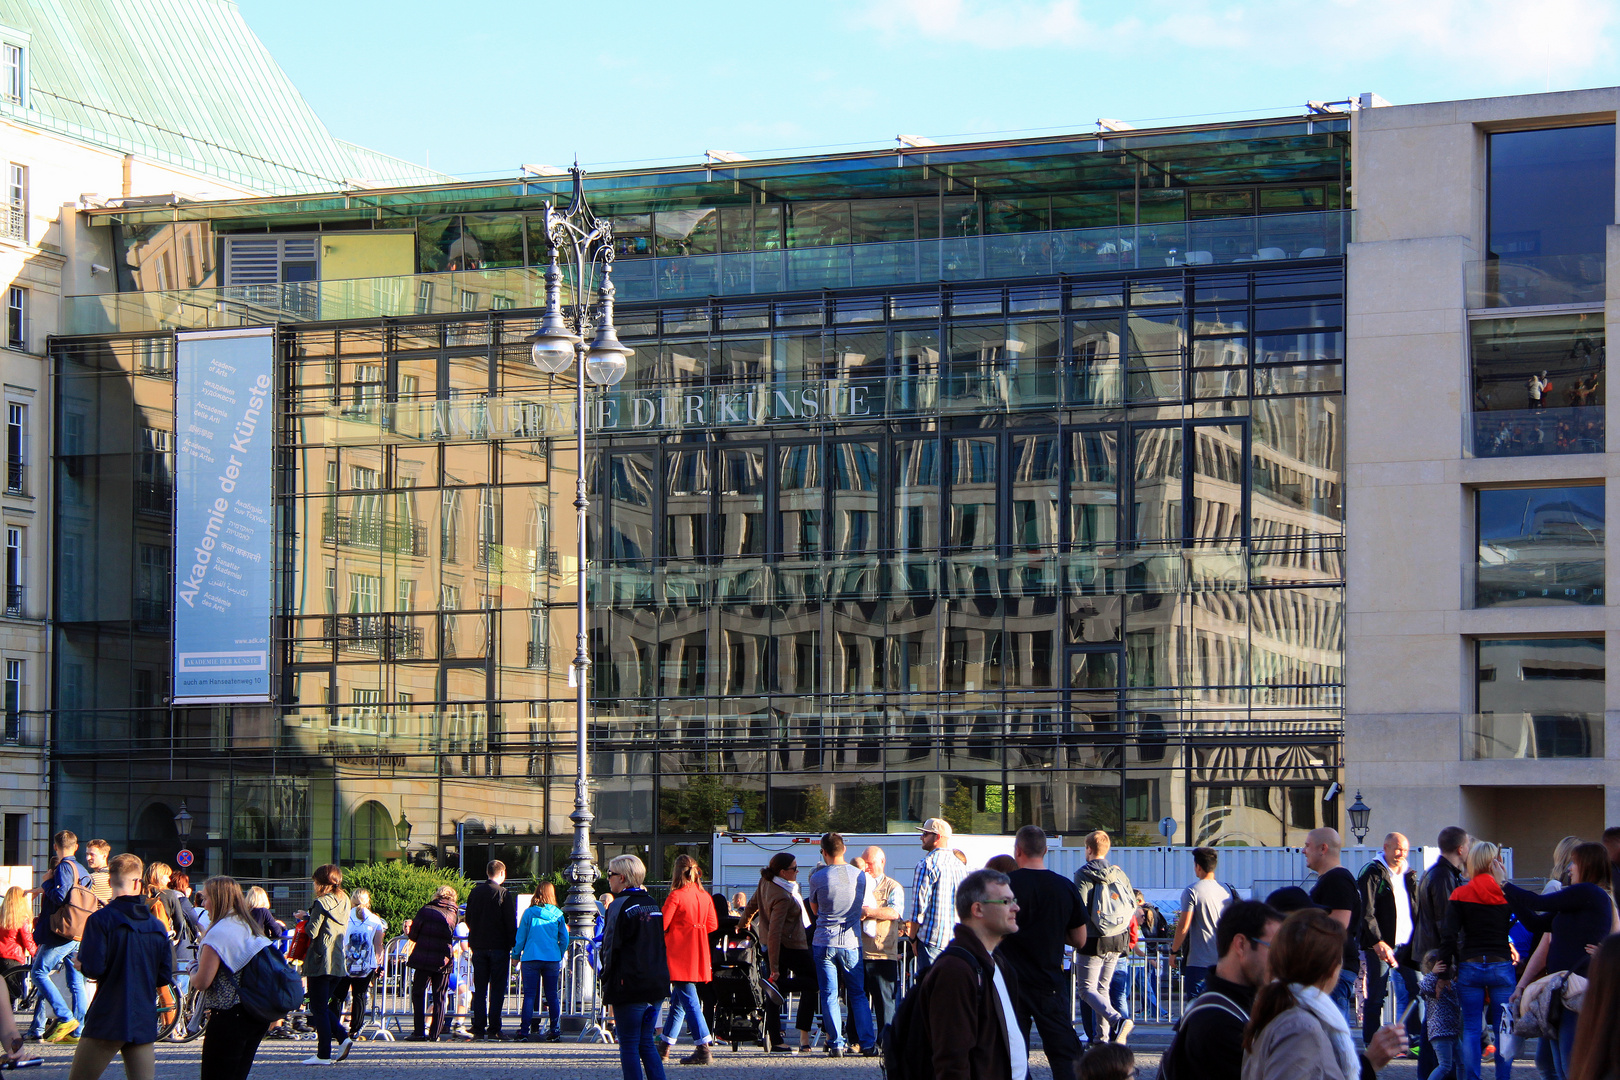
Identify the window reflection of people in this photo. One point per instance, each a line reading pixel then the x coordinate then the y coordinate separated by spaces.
pixel 1537 387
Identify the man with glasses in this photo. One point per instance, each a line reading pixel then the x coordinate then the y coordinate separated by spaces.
pixel 939 875
pixel 1208 1042
pixel 969 1028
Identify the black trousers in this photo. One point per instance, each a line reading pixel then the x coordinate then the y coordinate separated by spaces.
pixel 798 973
pixel 325 994
pixel 229 1043
pixel 1049 1010
pixel 424 982
pixel 489 985
pixel 882 983
pixel 358 991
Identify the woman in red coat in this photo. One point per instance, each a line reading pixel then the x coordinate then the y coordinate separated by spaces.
pixel 689 919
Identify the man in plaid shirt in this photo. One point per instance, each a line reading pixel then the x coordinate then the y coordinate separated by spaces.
pixel 938 876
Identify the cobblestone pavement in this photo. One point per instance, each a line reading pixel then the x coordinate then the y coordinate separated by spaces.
pixel 279 1060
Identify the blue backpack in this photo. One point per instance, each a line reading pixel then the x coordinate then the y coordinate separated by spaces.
pixel 268 985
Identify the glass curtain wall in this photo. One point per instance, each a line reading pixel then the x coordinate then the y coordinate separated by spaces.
pixel 1075 561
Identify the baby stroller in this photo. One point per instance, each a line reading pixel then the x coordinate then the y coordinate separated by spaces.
pixel 739 990
pixel 22 991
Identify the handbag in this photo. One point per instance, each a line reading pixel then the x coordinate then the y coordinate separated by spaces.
pixel 1507 1040
pixel 300 942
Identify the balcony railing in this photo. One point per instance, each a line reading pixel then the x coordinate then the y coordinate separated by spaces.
pixel 14 219
pixel 391 637
pixel 399 537
pixel 1515 281
pixel 1536 432
pixel 1236 241
pixel 15 595
pixel 14 477
pixel 1498 736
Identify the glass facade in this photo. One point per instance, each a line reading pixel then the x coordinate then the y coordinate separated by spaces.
pixel 1023 543
pixel 1537 698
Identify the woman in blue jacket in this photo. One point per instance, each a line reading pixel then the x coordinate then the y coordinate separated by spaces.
pixel 542 944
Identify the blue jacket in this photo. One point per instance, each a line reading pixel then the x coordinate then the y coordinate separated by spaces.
pixel 126 950
pixel 53 894
pixel 542 933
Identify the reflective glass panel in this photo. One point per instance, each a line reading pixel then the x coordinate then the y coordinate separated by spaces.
pixel 854 497
pixel 1540 546
pixel 799 500
pixel 1156 484
pixel 1551 191
pixel 1093 488
pixel 972 513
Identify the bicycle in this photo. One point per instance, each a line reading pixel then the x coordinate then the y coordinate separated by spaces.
pixel 192 1020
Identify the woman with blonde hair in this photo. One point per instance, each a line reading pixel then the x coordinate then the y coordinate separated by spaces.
pixel 232 939
pixel 323 963
pixel 16 937
pixel 634 991
pixel 272 927
pixel 1474 943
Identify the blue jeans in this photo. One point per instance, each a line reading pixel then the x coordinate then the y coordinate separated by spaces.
pixel 1344 996
pixel 1194 978
pixel 845 964
pixel 1482 987
pixel 683 999
pixel 1447 1053
pixel 1552 1057
pixel 638 1024
pixel 536 973
pixel 46 961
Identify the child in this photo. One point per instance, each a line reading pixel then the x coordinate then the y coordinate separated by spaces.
pixel 1108 1061
pixel 1444 1026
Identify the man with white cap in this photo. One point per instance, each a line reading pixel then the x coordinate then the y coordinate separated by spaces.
pixel 938 876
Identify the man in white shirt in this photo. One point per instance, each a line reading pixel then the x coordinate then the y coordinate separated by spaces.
pixel 884 909
pixel 1388 898
pixel 970 1029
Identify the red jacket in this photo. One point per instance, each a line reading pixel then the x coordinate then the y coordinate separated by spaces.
pixel 689 919
pixel 17 944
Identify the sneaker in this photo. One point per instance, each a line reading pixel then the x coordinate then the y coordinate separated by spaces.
pixel 835 1051
pixel 784 1048
pixel 63 1030
pixel 343 1049
pixel 1489 1054
pixel 68 1040
pixel 554 1035
pixel 317 1061
pixel 1124 1031
pixel 416 1036
pixel 50 1029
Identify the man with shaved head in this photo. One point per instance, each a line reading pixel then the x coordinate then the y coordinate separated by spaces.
pixel 1388 887
pixel 880 937
pixel 1336 891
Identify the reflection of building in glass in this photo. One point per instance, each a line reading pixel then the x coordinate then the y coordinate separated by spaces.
pixel 1042 527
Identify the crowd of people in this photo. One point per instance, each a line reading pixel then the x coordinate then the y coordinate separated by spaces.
pixel 1276 988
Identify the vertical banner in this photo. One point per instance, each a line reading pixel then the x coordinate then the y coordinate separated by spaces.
pixel 224 515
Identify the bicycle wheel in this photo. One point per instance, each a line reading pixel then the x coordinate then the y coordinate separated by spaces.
pixel 191 1012
pixel 168 1010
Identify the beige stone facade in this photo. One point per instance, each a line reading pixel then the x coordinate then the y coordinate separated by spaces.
pixel 1420 196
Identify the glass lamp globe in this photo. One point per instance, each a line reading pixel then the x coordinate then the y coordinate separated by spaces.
pixel 605 364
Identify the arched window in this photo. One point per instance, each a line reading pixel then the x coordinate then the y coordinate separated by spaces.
pixel 371 834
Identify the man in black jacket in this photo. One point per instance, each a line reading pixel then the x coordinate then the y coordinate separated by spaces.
pixel 1208 1043
pixel 1433 899
pixel 491 933
pixel 126 950
pixel 1388 903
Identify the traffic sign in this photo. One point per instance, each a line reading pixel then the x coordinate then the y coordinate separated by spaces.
pixel 183 858
pixel 1167 827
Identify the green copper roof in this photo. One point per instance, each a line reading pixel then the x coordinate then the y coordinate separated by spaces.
pixel 184 82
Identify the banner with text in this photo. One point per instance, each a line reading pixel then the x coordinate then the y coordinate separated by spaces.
pixel 224 543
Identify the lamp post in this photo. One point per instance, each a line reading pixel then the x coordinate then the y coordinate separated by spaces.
pixel 402 832
pixel 560 343
pixel 182 822
pixel 734 816
pixel 1359 812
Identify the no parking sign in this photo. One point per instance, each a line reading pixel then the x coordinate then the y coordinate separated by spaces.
pixel 183 858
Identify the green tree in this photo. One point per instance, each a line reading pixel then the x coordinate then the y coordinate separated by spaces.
pixel 861 811
pixel 399 890
pixel 700 805
pixel 959 809
pixel 817 813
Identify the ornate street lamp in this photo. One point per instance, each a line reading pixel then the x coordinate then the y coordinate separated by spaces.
pixel 1359 813
pixel 402 830
pixel 560 343
pixel 182 822
pixel 734 816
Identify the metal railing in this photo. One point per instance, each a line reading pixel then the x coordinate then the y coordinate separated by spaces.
pixel 15 594
pixel 1536 432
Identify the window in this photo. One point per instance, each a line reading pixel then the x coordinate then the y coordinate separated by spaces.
pixel 1551 192
pixel 17 318
pixel 16 428
pixel 152 583
pixel 1538 698
pixel 1540 546
pixel 14 700
pixel 15 554
pixel 1538 385
pixel 17 203
pixel 153 471
pixel 14 72
pixel 16 840
pixel 424 297
pixel 270 260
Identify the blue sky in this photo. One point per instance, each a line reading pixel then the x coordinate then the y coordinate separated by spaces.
pixel 484 86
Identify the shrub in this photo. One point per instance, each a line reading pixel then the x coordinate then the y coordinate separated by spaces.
pixel 399 890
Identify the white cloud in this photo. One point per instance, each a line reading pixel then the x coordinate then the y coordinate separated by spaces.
pixel 1524 36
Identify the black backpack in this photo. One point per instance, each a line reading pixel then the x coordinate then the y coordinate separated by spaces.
pixel 1209 999
pixel 640 964
pixel 268 985
pixel 907 1051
